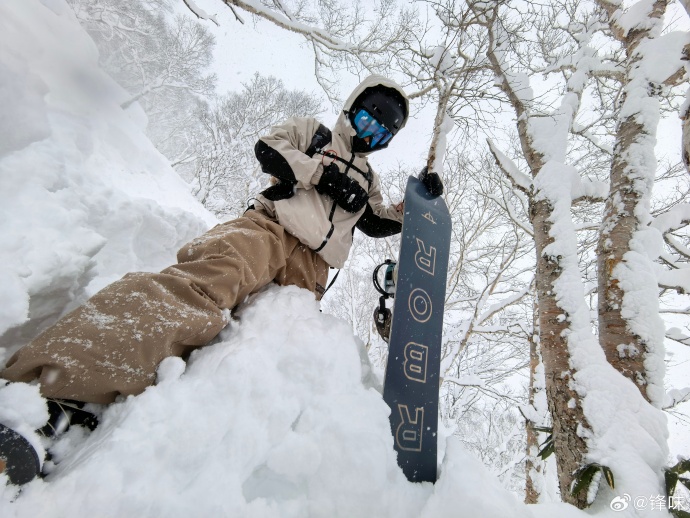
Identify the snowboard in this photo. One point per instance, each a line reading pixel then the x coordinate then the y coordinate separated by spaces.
pixel 18 459
pixel 411 382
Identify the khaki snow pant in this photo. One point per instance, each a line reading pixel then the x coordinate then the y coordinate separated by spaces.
pixel 112 345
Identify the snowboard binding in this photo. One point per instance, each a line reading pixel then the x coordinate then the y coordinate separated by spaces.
pixel 383 316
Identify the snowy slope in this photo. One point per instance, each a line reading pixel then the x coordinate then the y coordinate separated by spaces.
pixel 84 195
pixel 280 418
pixel 277 419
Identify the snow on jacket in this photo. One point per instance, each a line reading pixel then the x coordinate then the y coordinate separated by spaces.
pixel 315 219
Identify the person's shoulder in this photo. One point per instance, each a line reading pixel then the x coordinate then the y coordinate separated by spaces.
pixel 303 124
pixel 304 121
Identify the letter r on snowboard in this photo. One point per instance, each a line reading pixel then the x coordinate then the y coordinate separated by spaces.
pixel 425 260
pixel 408 436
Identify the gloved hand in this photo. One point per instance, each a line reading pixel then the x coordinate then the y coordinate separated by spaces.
pixel 345 191
pixel 432 182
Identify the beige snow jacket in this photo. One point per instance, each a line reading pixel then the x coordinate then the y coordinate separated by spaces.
pixel 315 219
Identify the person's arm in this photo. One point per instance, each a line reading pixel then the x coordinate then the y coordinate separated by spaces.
pixel 281 153
pixel 380 220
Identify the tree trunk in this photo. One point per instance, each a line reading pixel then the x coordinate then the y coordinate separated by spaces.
pixel 534 468
pixel 624 350
pixel 564 403
pixel 625 213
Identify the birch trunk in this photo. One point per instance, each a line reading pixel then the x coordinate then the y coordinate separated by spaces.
pixel 626 211
pixel 624 349
pixel 534 468
pixel 564 403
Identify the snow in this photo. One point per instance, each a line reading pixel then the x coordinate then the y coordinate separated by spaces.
pixel 676 279
pixel 663 56
pixel 673 219
pixel 442 60
pixel 278 418
pixel 637 278
pixel 550 132
pixel 84 195
pixel 517 177
pixel 446 127
pixel 282 415
pixel 675 397
pixel 636 17
pixel 23 410
pixel 592 189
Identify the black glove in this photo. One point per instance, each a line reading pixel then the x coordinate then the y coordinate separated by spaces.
pixel 345 191
pixel 432 182
pixel 281 190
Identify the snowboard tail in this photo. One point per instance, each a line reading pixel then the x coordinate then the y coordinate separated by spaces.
pixel 18 459
pixel 411 386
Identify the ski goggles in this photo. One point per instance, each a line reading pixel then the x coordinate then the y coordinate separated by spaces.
pixel 367 126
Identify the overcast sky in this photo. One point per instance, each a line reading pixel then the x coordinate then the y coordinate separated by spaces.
pixel 260 46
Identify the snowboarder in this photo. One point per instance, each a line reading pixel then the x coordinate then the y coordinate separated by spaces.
pixel 322 188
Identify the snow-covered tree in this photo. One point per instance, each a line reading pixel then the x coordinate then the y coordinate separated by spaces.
pixel 585 82
pixel 592 67
pixel 218 158
pixel 630 328
pixel 160 59
pixel 344 36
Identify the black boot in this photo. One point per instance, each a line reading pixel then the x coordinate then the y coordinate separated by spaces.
pixel 65 413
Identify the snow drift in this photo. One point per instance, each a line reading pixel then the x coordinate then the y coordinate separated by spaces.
pixel 281 417
pixel 84 195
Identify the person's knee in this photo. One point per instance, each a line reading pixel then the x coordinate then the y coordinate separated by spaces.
pixel 200 248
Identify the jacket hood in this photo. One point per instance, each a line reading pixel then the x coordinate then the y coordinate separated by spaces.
pixel 343 125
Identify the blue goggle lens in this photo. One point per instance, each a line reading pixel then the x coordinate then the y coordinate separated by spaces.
pixel 367 126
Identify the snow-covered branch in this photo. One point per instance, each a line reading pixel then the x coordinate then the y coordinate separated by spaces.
pixel 674 219
pixel 676 397
pixel 518 179
pixel 593 191
pixel 676 334
pixel 678 280
pixel 467 381
pixel 311 32
pixel 200 13
pixel 681 249
pixel 497 307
